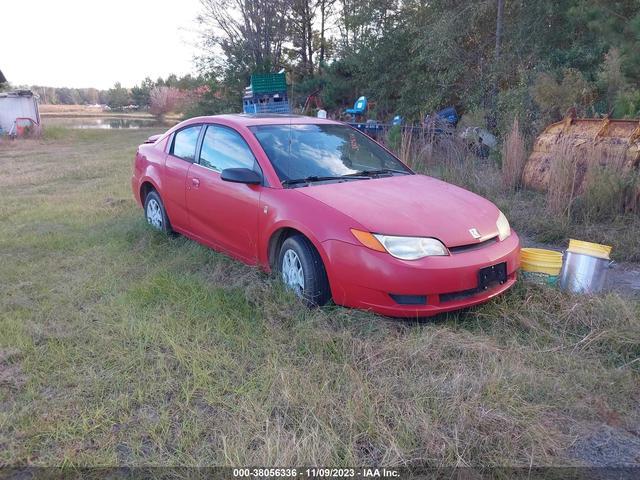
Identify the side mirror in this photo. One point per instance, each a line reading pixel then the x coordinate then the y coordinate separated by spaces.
pixel 241 175
pixel 153 138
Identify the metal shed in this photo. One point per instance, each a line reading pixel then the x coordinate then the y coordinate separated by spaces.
pixel 19 112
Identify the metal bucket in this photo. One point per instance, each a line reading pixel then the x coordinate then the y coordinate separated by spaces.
pixel 583 273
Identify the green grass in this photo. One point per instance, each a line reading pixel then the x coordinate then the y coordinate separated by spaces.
pixel 121 346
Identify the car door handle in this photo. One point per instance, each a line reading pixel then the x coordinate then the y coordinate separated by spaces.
pixel 195 182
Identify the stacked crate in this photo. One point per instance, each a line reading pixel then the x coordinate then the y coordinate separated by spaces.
pixel 266 94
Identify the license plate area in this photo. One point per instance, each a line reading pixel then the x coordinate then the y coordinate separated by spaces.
pixel 491 276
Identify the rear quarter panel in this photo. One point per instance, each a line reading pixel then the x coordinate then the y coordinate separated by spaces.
pixel 148 167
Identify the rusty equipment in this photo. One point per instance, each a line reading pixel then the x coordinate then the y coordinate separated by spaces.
pixel 615 141
pixel 314 100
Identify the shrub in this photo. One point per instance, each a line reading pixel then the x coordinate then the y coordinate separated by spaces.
pixel 164 100
pixel 554 98
pixel 610 77
pixel 609 187
pixel 394 138
pixel 627 104
pixel 474 118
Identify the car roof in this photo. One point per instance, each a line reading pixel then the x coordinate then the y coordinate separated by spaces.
pixel 252 119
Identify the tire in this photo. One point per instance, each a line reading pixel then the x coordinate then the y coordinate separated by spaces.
pixel 155 213
pixel 297 255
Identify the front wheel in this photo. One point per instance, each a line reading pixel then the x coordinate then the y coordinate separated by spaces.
pixel 155 213
pixel 302 271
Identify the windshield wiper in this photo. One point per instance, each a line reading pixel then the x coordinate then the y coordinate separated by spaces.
pixel 315 178
pixel 381 171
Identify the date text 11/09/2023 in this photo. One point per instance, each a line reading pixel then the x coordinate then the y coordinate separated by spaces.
pixel 315 472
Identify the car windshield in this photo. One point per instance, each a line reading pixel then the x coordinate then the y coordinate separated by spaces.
pixel 302 154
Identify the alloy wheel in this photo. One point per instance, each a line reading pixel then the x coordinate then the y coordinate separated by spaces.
pixel 292 272
pixel 154 214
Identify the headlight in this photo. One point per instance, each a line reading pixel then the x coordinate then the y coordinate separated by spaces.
pixel 504 230
pixel 404 248
pixel 411 248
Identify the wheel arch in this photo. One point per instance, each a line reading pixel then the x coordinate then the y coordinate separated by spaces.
pixel 147 186
pixel 276 240
pixel 281 233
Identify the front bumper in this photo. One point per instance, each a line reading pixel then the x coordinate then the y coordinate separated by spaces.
pixel 366 279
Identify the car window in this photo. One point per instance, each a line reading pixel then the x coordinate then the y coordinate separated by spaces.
pixel 184 143
pixel 223 148
pixel 299 151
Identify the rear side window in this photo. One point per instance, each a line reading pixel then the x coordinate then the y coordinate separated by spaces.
pixel 223 148
pixel 184 143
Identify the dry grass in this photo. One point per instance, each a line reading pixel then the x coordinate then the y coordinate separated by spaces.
pixel 124 347
pixel 449 157
pixel 564 178
pixel 592 183
pixel 514 156
pixel 77 109
pixel 407 151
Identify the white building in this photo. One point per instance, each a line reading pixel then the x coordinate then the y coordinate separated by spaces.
pixel 19 112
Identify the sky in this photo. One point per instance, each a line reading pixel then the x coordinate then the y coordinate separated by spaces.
pixel 87 43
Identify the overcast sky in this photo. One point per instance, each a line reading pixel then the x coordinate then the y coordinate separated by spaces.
pixel 88 43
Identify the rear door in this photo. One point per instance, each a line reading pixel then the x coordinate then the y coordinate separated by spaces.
pixel 182 153
pixel 224 214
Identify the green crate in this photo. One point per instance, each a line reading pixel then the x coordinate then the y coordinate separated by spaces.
pixel 268 83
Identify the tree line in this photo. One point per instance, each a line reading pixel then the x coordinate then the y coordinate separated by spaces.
pixel 492 59
pixel 119 97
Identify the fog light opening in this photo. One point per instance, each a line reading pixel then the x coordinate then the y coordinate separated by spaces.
pixel 409 299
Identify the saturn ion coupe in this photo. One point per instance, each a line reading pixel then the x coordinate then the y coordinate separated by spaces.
pixel 332 212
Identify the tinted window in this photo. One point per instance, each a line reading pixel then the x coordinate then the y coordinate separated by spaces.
pixel 300 151
pixel 223 148
pixel 184 143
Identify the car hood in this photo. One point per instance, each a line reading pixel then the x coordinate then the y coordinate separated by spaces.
pixel 411 205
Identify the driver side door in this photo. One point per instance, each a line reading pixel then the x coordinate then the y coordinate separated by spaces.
pixel 223 214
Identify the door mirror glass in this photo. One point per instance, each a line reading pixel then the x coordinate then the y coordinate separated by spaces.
pixel 241 175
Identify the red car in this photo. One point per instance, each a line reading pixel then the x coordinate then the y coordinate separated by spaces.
pixel 332 211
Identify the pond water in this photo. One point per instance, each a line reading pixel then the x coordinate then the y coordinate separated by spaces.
pixel 105 122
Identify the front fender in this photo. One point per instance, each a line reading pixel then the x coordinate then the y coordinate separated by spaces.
pixel 286 208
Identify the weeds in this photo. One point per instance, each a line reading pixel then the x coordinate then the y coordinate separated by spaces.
pixel 55 132
pixel 563 178
pixel 514 156
pixel 595 178
pixel 610 185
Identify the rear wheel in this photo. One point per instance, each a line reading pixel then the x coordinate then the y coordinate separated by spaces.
pixel 155 213
pixel 302 271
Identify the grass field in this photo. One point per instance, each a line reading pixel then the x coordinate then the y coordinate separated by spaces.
pixel 121 346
